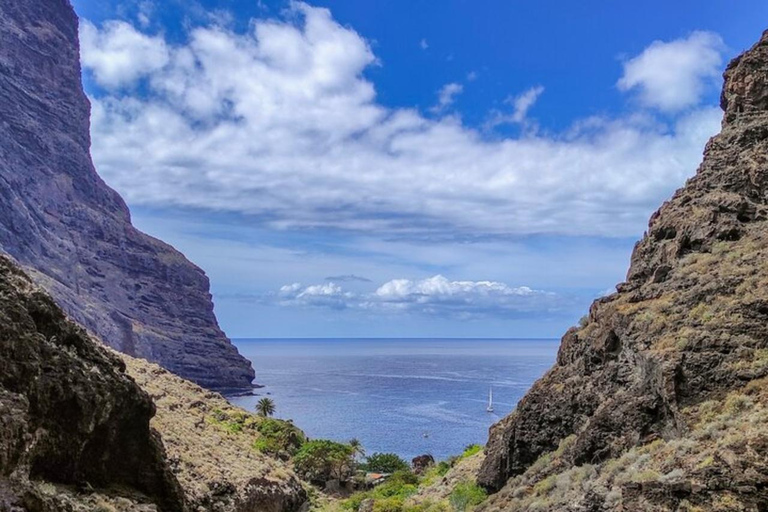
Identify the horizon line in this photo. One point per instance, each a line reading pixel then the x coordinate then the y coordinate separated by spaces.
pixel 387 338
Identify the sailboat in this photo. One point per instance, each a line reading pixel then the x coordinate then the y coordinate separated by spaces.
pixel 490 400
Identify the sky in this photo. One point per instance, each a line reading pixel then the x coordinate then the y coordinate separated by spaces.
pixel 363 168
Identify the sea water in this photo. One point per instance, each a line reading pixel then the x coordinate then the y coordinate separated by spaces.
pixel 407 396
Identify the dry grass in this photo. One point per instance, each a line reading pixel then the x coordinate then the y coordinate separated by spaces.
pixel 726 436
pixel 437 488
pixel 209 442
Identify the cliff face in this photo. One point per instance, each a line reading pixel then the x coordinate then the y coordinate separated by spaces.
pixel 673 364
pixel 68 413
pixel 71 231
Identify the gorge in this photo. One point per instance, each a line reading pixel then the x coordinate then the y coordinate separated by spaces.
pixel 657 401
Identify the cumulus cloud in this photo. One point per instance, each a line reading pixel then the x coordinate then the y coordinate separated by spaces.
pixel 280 124
pixel 674 75
pixel 117 54
pixel 435 295
pixel 328 295
pixel 447 95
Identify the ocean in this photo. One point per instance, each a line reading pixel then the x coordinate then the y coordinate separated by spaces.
pixel 407 396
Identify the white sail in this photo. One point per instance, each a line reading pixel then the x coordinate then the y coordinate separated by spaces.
pixel 490 400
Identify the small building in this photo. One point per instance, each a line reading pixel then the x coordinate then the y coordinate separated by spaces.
pixel 374 479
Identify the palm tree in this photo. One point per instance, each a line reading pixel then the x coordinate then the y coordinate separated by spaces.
pixel 357 447
pixel 265 407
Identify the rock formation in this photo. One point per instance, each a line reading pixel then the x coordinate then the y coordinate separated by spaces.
pixel 73 233
pixel 665 383
pixel 68 413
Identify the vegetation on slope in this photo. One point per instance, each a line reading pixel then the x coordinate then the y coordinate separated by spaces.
pixel 721 464
pixel 447 486
pixel 221 455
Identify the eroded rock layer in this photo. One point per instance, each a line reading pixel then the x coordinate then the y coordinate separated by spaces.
pixel 72 232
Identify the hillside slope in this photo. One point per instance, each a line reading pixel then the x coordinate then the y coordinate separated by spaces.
pixel 72 232
pixel 658 401
pixel 210 444
pixel 85 429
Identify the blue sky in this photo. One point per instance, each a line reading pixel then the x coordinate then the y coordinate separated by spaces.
pixel 360 168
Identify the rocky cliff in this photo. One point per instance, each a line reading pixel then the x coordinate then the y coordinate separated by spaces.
pixel 658 401
pixel 71 231
pixel 69 416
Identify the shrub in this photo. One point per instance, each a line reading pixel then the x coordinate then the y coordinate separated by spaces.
pixel 443 467
pixel 394 504
pixel 232 422
pixel 406 477
pixel 385 463
pixel 400 485
pixel 471 450
pixel 322 460
pixel 427 506
pixel 278 436
pixel 466 495
pixel 388 496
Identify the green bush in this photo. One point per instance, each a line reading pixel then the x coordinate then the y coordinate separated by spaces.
pixel 466 495
pixel 394 504
pixel 443 467
pixel 233 422
pixel 406 477
pixel 385 463
pixel 471 449
pixel 354 501
pixel 322 460
pixel 390 495
pixel 427 506
pixel 278 436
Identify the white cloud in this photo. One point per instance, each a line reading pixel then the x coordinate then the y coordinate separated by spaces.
pixel 447 95
pixel 674 75
pixel 423 44
pixel 524 102
pixel 521 104
pixel 118 54
pixel 281 125
pixel 439 288
pixel 320 295
pixel 145 11
pixel 432 296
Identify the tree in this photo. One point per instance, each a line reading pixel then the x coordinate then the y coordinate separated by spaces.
pixel 385 463
pixel 357 447
pixel 265 407
pixel 322 460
